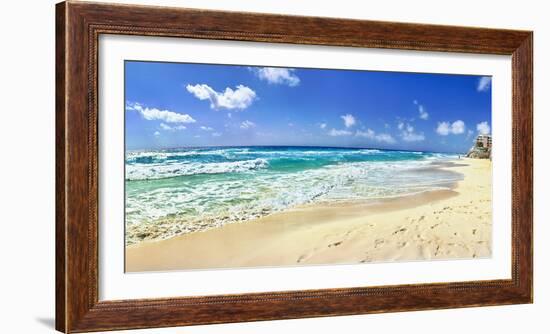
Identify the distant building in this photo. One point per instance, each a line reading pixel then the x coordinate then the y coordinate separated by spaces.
pixel 484 141
pixel 482 147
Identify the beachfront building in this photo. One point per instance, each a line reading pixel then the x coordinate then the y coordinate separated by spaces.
pixel 484 141
pixel 482 147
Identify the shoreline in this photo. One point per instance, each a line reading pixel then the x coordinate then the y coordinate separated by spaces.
pixel 169 227
pixel 439 224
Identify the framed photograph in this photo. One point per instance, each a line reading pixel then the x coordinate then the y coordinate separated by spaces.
pixel 222 167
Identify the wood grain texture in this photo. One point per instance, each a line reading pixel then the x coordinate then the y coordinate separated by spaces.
pixel 78 27
pixel 60 181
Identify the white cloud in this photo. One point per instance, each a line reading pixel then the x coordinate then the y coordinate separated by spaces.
pixel 458 127
pixel 423 114
pixel 337 133
pixel 206 128
pixel 323 125
pixel 483 84
pixel 275 75
pixel 171 128
pixel 371 134
pixel 411 136
pixel 400 125
pixel 157 133
pixel 216 134
pixel 443 128
pixel 229 115
pixel 349 120
pixel 240 98
pixel 247 125
pixel 385 138
pixel 408 134
pixel 366 134
pixel 152 114
pixel 483 128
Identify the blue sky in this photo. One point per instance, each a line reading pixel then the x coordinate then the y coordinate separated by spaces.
pixel 181 105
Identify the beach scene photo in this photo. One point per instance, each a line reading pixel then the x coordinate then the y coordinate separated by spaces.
pixel 235 166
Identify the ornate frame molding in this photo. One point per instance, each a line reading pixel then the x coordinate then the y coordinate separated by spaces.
pixel 78 27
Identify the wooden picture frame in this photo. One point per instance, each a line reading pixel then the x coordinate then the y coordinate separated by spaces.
pixel 78 26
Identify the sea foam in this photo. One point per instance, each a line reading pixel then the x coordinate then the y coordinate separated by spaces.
pixel 160 171
pixel 192 190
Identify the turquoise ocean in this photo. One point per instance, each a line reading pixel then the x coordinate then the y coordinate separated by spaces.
pixel 175 191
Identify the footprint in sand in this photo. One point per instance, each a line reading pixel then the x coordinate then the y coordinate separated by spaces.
pixel 378 243
pixel 403 229
pixel 338 243
pixel 301 258
pixel 305 256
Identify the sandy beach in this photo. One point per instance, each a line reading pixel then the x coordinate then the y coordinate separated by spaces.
pixel 440 224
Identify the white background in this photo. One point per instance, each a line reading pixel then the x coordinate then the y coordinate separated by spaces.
pixel 27 165
pixel 114 284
